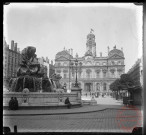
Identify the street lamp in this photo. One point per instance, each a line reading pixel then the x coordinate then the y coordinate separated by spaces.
pixel 77 66
pixel 76 82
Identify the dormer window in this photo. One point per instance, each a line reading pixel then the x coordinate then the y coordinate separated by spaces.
pixel 97 63
pixel 119 62
pixel 104 63
pixel 113 63
pixel 59 64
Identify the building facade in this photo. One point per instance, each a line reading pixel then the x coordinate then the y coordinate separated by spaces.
pixel 136 72
pixel 96 73
pixel 46 67
pixel 11 59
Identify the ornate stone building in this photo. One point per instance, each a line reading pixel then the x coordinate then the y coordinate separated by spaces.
pixel 136 72
pixel 46 66
pixel 11 59
pixel 96 73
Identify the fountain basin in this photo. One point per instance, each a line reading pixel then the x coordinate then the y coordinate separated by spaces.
pixel 43 100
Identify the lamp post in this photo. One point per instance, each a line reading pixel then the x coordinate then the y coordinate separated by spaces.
pixel 77 66
pixel 69 72
pixel 76 82
pixel 107 74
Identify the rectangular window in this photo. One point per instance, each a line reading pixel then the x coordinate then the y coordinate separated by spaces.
pixel 64 75
pixel 97 75
pixel 113 74
pixel 104 74
pixel 73 75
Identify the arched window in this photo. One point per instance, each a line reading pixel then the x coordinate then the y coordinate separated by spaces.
pixel 59 64
pixel 97 86
pixel 113 63
pixel 104 86
pixel 88 63
pixel 112 72
pixel 104 74
pixel 73 75
pixel 65 64
pixel 88 75
pixel 104 63
pixel 119 62
pixel 97 75
pixel 119 71
pixel 65 76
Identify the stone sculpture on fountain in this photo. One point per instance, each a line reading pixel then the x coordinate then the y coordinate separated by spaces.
pixel 57 87
pixel 30 76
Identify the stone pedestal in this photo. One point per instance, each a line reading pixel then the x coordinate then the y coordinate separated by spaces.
pixel 77 90
pixel 24 104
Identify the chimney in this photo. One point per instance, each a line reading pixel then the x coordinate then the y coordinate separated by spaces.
pixel 108 49
pixel 15 48
pixel 19 50
pixel 122 49
pixel 100 54
pixel 71 51
pixel 51 62
pixel 12 45
pixel 47 59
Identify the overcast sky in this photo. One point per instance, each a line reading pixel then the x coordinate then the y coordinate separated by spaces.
pixel 51 27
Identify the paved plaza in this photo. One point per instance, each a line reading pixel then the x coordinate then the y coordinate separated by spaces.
pixel 98 118
pixel 107 100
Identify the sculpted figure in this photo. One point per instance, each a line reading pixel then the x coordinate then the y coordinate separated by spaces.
pixel 29 64
pixel 56 84
pixel 28 55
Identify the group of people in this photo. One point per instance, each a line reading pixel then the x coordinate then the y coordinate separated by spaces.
pixel 13 103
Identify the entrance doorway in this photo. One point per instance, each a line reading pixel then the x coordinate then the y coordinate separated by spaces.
pixel 88 87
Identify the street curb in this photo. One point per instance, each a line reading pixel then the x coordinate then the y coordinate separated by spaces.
pixel 64 113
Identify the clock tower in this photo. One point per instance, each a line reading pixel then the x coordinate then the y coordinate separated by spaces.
pixel 91 45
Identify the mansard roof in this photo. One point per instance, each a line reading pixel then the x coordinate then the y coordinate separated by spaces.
pixel 63 53
pixel 116 51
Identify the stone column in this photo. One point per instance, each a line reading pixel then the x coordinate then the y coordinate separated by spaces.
pixel 101 86
pixel 94 83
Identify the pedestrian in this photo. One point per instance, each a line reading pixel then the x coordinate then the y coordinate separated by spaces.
pixel 11 103
pixel 86 94
pixel 15 103
pixel 67 102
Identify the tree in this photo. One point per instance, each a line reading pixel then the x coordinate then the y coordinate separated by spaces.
pixel 125 79
pixel 116 87
pixel 127 83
